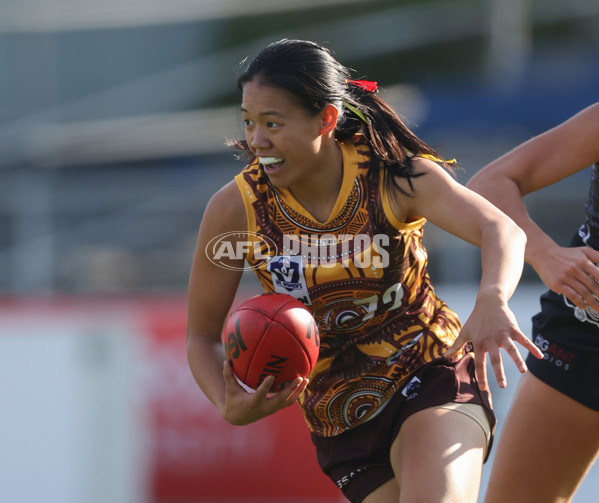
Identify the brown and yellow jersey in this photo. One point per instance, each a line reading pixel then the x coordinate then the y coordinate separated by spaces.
pixel 363 276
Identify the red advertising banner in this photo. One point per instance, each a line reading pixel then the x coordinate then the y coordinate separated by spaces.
pixel 187 452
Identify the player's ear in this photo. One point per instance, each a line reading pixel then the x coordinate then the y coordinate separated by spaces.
pixel 328 117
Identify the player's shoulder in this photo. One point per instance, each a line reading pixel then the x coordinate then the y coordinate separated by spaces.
pixel 228 195
pixel 226 206
pixel 429 182
pixel 429 173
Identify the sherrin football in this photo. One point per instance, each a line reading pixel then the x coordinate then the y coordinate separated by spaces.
pixel 271 334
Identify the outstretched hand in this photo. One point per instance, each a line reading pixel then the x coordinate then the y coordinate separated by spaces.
pixel 242 407
pixel 492 326
pixel 572 272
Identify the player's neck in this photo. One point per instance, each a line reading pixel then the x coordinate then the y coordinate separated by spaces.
pixel 319 192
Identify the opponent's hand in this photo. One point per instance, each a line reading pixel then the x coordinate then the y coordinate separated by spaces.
pixel 572 272
pixel 492 326
pixel 242 407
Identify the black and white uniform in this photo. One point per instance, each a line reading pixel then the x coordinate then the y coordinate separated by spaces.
pixel 568 335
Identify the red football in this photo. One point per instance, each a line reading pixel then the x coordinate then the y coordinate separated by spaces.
pixel 271 334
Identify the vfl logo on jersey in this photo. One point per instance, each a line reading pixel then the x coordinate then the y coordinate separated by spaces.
pixel 287 276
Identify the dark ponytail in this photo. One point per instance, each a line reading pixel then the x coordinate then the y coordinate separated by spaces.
pixel 392 142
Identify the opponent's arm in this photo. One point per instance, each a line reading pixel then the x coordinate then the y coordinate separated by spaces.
pixel 542 161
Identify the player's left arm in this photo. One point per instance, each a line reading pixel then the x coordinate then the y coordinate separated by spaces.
pixel 443 201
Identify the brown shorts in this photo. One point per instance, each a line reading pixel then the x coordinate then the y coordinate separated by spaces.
pixel 358 459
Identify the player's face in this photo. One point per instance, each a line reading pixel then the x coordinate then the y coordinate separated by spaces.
pixel 280 133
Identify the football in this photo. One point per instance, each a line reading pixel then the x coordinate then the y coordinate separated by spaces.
pixel 271 334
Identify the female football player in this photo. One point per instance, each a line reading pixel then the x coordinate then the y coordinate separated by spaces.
pixel 551 435
pixel 397 403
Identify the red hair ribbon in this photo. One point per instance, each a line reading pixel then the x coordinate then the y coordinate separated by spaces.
pixel 367 85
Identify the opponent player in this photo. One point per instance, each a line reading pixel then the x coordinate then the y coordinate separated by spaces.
pixel 342 188
pixel 551 435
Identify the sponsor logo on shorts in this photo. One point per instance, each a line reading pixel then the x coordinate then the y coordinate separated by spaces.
pixel 411 389
pixel 346 479
pixel 554 353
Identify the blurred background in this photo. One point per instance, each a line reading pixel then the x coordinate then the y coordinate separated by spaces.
pixel 113 117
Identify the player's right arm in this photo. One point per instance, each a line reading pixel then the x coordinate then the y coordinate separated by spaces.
pixel 542 161
pixel 211 292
